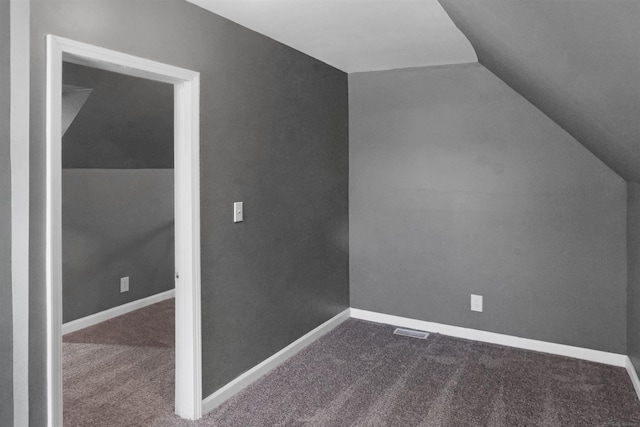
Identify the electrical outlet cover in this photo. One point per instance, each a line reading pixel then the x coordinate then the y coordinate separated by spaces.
pixel 124 284
pixel 476 302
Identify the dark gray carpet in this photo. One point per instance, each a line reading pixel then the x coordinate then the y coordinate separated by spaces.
pixel 358 375
pixel 121 372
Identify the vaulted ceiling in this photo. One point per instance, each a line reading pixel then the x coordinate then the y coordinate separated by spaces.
pixel 355 35
pixel 578 61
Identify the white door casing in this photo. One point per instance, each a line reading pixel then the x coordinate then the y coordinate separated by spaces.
pixel 186 84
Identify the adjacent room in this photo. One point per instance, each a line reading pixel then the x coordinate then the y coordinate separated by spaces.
pixel 417 212
pixel 117 241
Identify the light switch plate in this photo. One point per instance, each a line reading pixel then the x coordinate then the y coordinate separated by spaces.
pixel 238 212
pixel 124 284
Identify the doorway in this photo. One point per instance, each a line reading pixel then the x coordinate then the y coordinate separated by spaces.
pixel 188 377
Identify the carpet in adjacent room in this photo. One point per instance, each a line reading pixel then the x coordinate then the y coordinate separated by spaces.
pixel 121 372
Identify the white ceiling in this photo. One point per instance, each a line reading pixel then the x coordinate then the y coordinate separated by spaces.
pixel 355 35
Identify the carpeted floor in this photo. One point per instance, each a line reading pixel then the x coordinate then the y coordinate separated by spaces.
pixel 121 373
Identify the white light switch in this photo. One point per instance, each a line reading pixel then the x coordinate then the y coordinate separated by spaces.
pixel 124 284
pixel 237 212
pixel 476 302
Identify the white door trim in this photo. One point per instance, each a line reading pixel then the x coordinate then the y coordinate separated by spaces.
pixel 19 129
pixel 187 214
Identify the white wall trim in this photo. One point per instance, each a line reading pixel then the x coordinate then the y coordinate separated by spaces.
pixel 494 338
pixel 631 370
pixel 94 319
pixel 188 402
pixel 266 366
pixel 19 141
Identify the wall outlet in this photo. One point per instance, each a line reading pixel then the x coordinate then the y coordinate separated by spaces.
pixel 124 284
pixel 476 302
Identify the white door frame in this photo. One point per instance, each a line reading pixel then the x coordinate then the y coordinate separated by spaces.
pixel 188 402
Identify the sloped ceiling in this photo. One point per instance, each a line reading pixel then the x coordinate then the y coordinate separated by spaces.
pixel 577 60
pixel 355 35
pixel 73 98
pixel 126 123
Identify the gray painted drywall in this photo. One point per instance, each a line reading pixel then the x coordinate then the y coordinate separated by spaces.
pixel 6 313
pixel 633 260
pixel 458 185
pixel 578 61
pixel 274 134
pixel 126 123
pixel 115 223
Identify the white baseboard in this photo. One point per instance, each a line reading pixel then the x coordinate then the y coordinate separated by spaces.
pixel 94 319
pixel 494 338
pixel 631 370
pixel 221 395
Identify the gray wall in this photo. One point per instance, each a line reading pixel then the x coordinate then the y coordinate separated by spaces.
pixel 6 318
pixel 578 61
pixel 458 185
pixel 115 223
pixel 126 123
pixel 633 259
pixel 274 134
